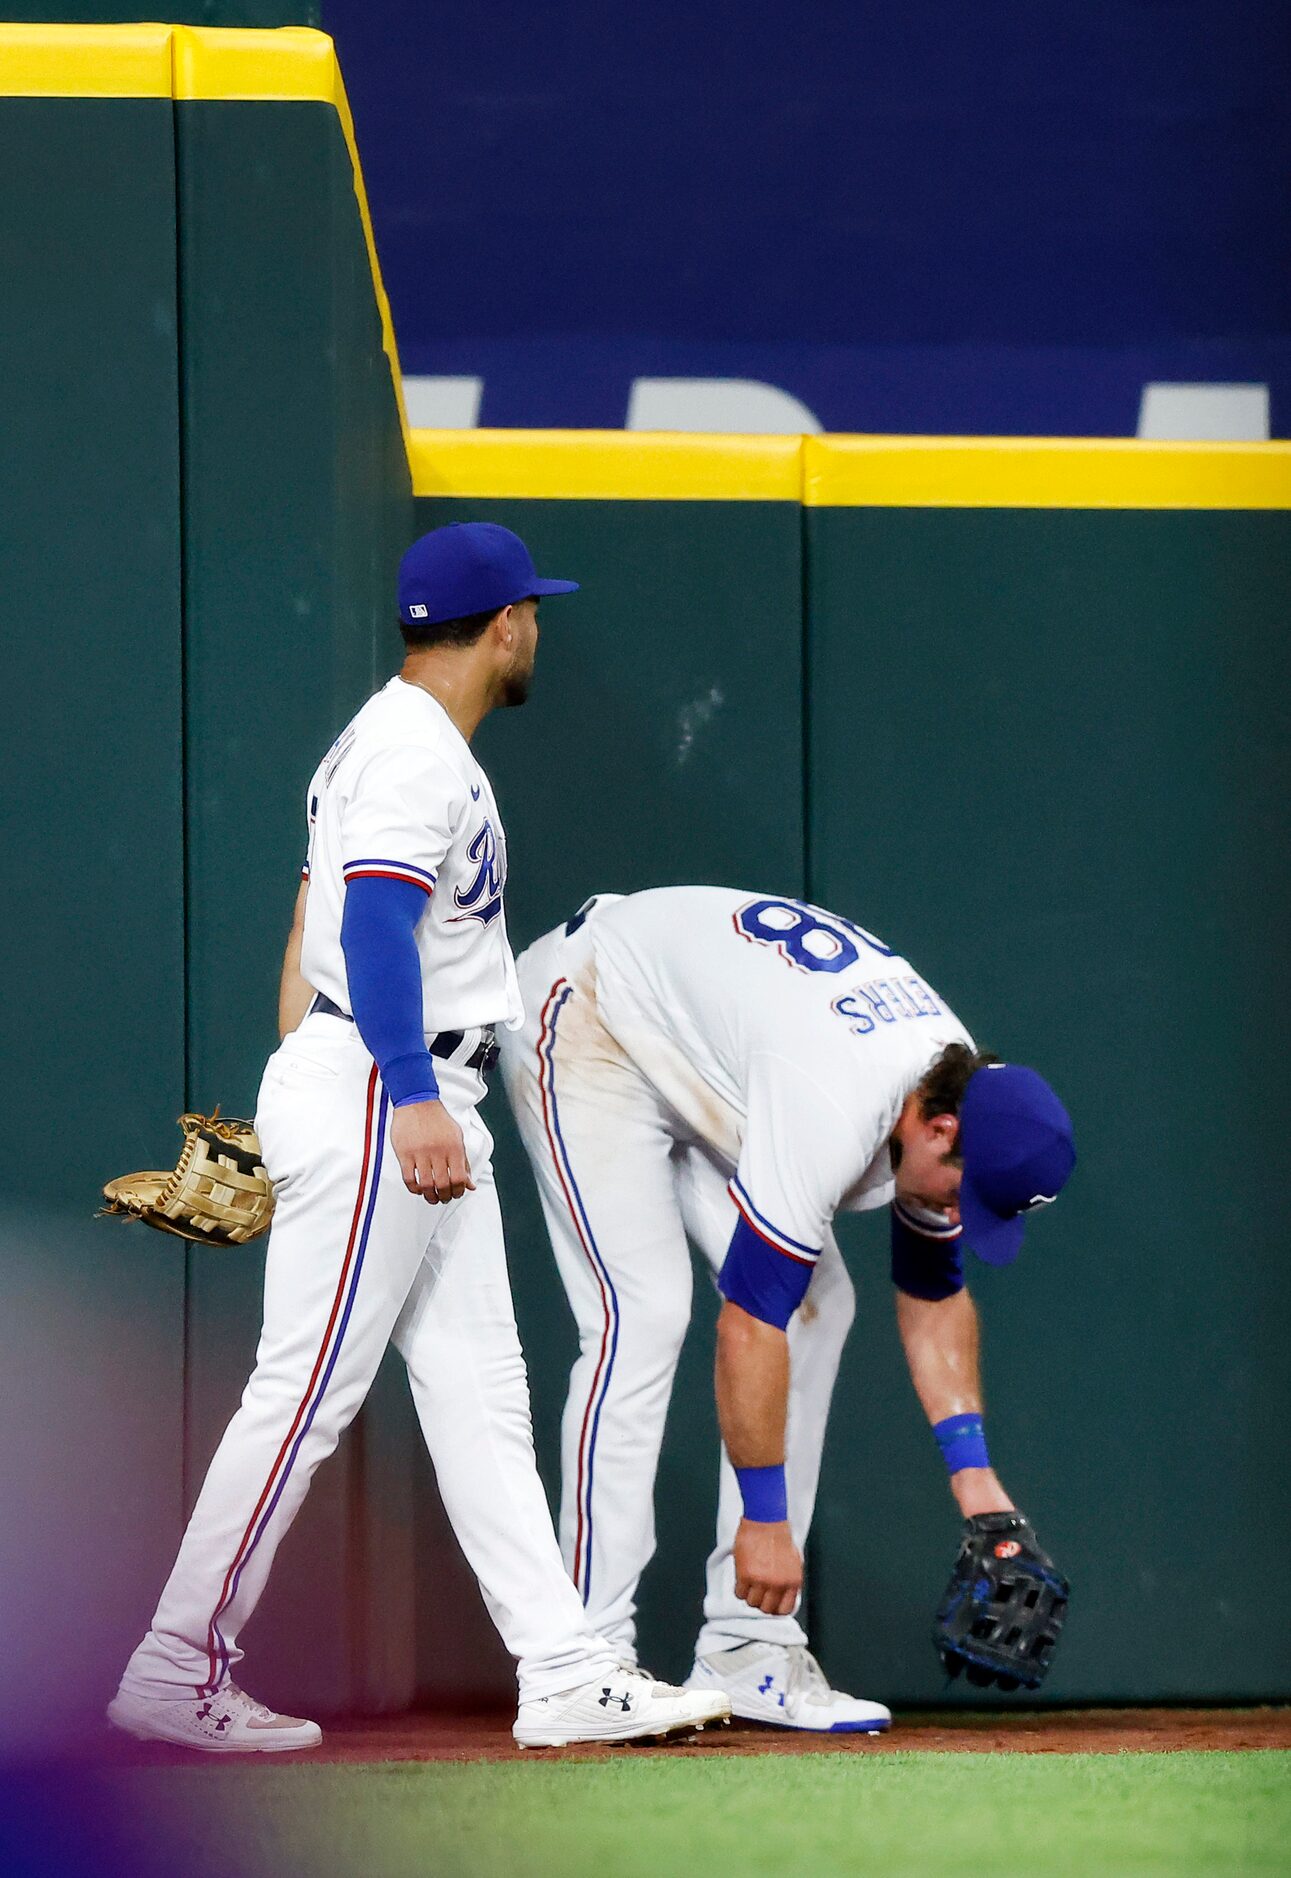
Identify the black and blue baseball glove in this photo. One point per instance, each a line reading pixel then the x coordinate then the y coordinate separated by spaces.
pixel 1003 1610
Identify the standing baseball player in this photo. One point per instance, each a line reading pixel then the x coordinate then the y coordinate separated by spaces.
pixel 387 1224
pixel 739 1068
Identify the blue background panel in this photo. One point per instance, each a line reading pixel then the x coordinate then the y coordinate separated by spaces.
pixel 1001 219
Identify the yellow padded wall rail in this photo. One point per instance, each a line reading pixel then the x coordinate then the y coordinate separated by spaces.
pixel 606 465
pixel 852 472
pixel 85 61
pixel 1043 473
pixel 267 64
pixel 271 65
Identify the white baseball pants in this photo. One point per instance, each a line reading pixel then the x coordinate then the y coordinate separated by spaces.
pixel 354 1261
pixel 623 1182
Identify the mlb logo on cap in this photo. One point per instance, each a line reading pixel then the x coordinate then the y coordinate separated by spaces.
pixel 466 568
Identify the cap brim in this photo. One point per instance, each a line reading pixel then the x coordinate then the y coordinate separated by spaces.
pixel 995 1241
pixel 554 586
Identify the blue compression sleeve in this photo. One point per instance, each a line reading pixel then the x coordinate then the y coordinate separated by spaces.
pixel 383 967
pixel 766 1283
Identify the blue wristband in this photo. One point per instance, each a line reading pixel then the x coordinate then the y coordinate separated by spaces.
pixel 962 1442
pixel 762 1489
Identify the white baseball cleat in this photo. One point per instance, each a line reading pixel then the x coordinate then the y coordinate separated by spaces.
pixel 625 1705
pixel 772 1682
pixel 231 1722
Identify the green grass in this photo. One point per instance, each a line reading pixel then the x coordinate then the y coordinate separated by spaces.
pixel 810 1817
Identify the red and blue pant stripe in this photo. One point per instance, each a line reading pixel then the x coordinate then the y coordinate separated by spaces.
pixel 321 1375
pixel 581 1572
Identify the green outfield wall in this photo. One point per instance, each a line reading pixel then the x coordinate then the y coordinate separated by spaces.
pixel 205 490
pixel 1030 702
pixel 91 1333
pixel 1048 757
pixel 1019 706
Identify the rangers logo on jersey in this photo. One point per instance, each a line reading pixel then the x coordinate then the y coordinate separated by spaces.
pixel 481 897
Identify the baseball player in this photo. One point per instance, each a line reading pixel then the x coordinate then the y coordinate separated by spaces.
pixel 387 1224
pixel 737 1068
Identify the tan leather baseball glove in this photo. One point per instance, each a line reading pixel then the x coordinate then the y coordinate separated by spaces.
pixel 218 1194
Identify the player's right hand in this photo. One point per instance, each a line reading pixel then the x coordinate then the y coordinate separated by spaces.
pixel 768 1566
pixel 431 1151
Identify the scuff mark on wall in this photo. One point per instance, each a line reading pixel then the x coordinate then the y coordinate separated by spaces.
pixel 692 718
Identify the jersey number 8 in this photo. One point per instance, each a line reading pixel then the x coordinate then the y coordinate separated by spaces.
pixel 805 936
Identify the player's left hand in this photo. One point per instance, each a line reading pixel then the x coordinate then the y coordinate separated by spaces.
pixel 768 1566
pixel 431 1152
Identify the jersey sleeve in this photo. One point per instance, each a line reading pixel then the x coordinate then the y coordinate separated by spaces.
pixel 760 1279
pixel 800 1153
pixel 399 818
pixel 927 1253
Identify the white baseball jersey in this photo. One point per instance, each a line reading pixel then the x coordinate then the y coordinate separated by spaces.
pixel 400 796
pixel 786 1037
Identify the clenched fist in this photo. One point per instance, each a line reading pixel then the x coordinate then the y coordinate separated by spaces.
pixel 768 1566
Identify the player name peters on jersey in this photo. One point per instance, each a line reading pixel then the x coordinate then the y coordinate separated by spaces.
pixel 400 795
pixel 786 1037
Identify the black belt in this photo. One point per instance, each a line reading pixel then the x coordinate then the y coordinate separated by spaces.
pixel 445 1045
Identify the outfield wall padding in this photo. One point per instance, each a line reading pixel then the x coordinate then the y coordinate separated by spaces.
pixel 1049 759
pixel 205 489
pixel 91 1327
pixel 1038 735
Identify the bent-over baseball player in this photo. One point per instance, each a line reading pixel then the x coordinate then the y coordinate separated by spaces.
pixel 368 1111
pixel 739 1068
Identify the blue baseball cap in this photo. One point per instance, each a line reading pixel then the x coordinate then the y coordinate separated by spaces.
pixel 1016 1140
pixel 468 567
